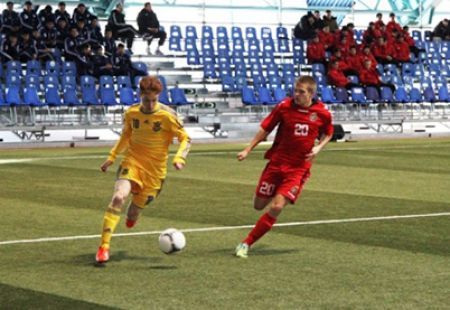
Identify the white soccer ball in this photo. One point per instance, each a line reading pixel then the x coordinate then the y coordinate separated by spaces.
pixel 171 241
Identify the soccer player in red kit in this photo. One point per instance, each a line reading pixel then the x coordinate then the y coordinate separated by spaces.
pixel 300 120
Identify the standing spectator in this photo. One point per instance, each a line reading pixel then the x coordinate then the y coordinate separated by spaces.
pixel 120 29
pixel 318 22
pixel 330 21
pixel 301 121
pixel 10 20
pixel 441 31
pixel 28 18
pixel 149 27
pixel 305 27
pixel 9 48
pixel 393 24
pixel 62 13
pixel 379 22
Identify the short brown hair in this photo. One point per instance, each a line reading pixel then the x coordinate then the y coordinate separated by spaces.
pixel 150 84
pixel 309 81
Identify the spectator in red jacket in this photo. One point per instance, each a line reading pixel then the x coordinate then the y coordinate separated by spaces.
pixel 384 53
pixel 336 76
pixel 353 59
pixel 326 38
pixel 367 54
pixel 371 34
pixel 315 51
pixel 401 50
pixel 337 56
pixel 393 24
pixel 411 43
pixel 370 77
pixel 379 22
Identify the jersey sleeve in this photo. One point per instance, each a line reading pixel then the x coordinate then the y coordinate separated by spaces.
pixel 183 138
pixel 272 120
pixel 327 127
pixel 124 139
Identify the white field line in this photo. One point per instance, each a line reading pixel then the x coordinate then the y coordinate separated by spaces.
pixel 221 228
pixel 19 160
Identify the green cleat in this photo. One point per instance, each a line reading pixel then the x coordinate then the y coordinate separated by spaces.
pixel 242 250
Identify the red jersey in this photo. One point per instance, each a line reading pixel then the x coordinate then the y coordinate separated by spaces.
pixel 298 129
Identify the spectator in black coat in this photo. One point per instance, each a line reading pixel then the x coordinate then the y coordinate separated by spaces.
pixel 28 18
pixel 95 34
pixel 45 14
pixel 62 13
pixel 441 31
pixel 122 63
pixel 27 48
pixel 109 43
pixel 9 48
pixel 149 27
pixel 49 33
pixel 10 20
pixel 102 64
pixel 62 32
pixel 305 27
pixel 120 29
pixel 81 12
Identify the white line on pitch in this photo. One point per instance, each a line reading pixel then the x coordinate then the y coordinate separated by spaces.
pixel 220 228
pixel 19 160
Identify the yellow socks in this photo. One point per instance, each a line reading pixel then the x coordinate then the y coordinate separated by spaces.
pixel 110 221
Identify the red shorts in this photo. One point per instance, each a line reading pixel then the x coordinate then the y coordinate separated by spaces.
pixel 287 181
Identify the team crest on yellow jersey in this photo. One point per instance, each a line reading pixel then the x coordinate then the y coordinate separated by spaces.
pixel 156 126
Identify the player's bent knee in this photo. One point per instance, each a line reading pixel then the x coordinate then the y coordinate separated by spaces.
pixel 118 199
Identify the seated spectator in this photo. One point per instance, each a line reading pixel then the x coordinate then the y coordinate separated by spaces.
pixel 401 48
pixel 81 12
pixel 351 34
pixel 149 27
pixel 121 30
pixel 102 64
pixel 28 18
pixel 367 54
pixel 83 33
pixel 330 21
pixel 62 32
pixel 318 22
pixel 49 33
pixel 370 77
pixel 10 20
pixel 44 52
pixel 95 36
pixel 383 52
pixel 315 51
pixel 326 38
pixel 393 24
pixel 61 13
pixel 336 76
pixel 305 27
pixel 371 34
pixel 45 14
pixel 72 45
pixel 352 59
pixel 441 31
pixel 9 48
pixel 411 43
pixel 110 43
pixel 27 48
pixel 84 63
pixel 337 56
pixel 122 63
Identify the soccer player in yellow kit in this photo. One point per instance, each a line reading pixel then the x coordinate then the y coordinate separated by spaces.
pixel 149 128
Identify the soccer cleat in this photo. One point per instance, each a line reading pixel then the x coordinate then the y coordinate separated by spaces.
pixel 102 255
pixel 242 250
pixel 130 223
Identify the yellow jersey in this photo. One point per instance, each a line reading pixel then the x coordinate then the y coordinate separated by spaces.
pixel 146 138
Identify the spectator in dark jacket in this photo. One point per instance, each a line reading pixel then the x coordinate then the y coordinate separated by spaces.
pixel 110 43
pixel 9 48
pixel 27 48
pixel 149 27
pixel 305 27
pixel 102 64
pixel 122 63
pixel 81 12
pixel 441 31
pixel 10 20
pixel 62 32
pixel 330 21
pixel 120 29
pixel 45 14
pixel 28 18
pixel 62 13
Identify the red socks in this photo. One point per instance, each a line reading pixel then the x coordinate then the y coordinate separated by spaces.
pixel 263 225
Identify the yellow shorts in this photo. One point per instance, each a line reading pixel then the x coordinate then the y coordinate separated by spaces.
pixel 144 186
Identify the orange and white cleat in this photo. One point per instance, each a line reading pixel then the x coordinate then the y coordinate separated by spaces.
pixel 102 255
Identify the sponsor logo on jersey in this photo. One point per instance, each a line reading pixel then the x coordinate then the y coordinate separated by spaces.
pixel 156 126
pixel 313 117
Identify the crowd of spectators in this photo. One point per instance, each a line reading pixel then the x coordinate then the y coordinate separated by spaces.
pixel 382 43
pixel 46 35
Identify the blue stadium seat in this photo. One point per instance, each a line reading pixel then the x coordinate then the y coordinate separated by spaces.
pixel 126 94
pixel 400 95
pixel 33 80
pixel 274 81
pixel 357 95
pixel 191 32
pixel 190 44
pixel 209 71
pixel 31 97
pixel 266 33
pixel 33 68
pixel 106 90
pixel 372 94
pixel 193 57
pixel 386 95
pixel 283 40
pixel 299 52
pixel 223 45
pixel 279 94
pixel 443 94
pixel 207 32
pixel 248 97
pixel 428 94
pixel 328 95
pixel 250 33
pixel 236 32
pixel 178 97
pixel 51 86
pixel 13 80
pixel 415 95
pixel 141 67
pixel 69 68
pixel 52 68
pixel 341 95
pixel 265 96
pixel 13 68
pixel 88 91
pixel 228 84
pixel 240 82
pixel 222 32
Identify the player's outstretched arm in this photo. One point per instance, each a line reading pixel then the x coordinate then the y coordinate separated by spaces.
pixel 317 148
pixel 261 135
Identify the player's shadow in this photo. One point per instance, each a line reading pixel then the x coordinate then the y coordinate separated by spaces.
pixel 259 250
pixel 163 267
pixel 117 256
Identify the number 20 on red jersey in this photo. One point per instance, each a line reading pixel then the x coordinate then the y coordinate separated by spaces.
pixel 301 130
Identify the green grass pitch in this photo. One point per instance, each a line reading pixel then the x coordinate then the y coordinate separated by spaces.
pixel 384 264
